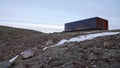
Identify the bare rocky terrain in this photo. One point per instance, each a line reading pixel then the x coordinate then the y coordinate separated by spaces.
pixel 101 52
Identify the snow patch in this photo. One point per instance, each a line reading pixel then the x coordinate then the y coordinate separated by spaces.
pixel 13 59
pixel 45 48
pixel 91 36
pixel 82 38
pixel 62 42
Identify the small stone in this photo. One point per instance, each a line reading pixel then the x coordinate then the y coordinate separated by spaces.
pixel 49 42
pixel 106 43
pixel 27 54
pixel 94 65
pixel 35 48
pixel 91 63
pixel 106 49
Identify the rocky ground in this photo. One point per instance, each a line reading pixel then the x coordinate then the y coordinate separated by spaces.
pixel 101 52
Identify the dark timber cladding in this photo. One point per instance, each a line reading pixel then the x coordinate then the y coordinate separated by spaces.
pixel 94 23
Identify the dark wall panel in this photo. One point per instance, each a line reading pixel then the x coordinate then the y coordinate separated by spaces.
pixel 87 24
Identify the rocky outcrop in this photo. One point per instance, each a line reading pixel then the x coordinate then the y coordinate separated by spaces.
pixel 100 52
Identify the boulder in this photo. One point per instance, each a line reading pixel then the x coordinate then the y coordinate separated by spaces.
pixel 27 54
pixel 5 64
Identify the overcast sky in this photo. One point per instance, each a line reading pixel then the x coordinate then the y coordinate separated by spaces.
pixel 51 15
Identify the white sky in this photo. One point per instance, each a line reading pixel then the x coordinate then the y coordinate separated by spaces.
pixel 53 14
